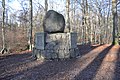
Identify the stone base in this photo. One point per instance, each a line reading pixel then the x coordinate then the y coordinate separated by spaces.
pixel 58 45
pixel 56 54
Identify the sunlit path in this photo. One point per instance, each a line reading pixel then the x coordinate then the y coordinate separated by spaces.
pixel 107 68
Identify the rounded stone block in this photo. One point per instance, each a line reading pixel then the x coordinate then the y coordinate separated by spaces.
pixel 53 22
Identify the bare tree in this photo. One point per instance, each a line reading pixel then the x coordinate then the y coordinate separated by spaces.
pixel 3 28
pixel 67 15
pixel 46 5
pixel 31 25
pixel 115 17
pixel 84 21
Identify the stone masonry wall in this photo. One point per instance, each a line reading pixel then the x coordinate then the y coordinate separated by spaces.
pixel 58 45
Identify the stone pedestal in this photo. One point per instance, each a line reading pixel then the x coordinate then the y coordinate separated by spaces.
pixel 57 45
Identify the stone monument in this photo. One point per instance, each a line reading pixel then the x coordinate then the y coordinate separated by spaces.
pixel 53 43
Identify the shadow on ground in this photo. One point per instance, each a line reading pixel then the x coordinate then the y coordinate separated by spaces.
pixel 90 71
pixel 84 49
pixel 117 67
pixel 24 67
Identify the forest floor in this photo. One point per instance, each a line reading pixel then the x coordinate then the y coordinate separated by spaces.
pixel 97 62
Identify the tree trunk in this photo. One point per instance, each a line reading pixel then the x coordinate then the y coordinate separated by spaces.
pixel 86 22
pixel 108 31
pixel 91 31
pixel 31 26
pixel 115 17
pixel 4 49
pixel 46 6
pixel 83 21
pixel 67 16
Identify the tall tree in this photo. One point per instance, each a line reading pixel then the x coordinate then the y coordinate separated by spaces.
pixel 67 15
pixel 46 5
pixel 31 25
pixel 84 21
pixel 115 17
pixel 3 28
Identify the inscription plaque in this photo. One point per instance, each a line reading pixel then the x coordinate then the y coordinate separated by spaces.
pixel 40 40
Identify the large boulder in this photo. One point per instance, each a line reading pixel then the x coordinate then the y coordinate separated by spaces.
pixel 53 22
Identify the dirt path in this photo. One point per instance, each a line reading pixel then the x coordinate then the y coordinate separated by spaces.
pixel 96 63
